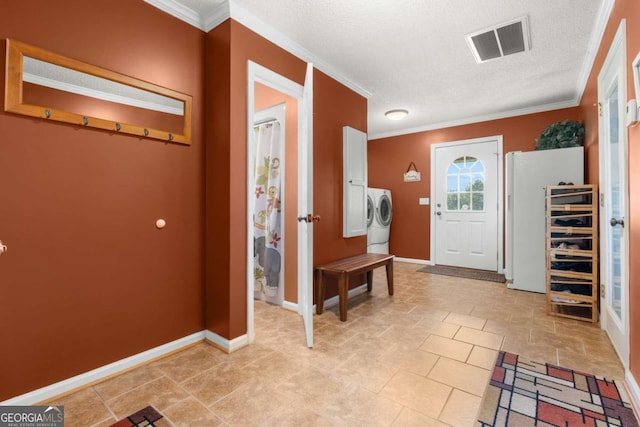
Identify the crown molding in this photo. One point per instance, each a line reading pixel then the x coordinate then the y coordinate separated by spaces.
pixel 594 44
pixel 179 11
pixel 477 119
pixel 250 21
pixel 217 16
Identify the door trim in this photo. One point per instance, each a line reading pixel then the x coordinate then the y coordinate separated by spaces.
pixel 616 57
pixel 500 177
pixel 258 74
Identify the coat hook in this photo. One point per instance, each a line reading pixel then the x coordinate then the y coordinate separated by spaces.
pixel 117 126
pixel 47 113
pixel 146 132
pixel 170 137
pixel 85 120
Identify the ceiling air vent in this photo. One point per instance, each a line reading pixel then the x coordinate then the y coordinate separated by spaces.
pixel 500 40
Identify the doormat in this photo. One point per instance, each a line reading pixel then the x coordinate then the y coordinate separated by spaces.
pixel 145 417
pixel 539 394
pixel 467 273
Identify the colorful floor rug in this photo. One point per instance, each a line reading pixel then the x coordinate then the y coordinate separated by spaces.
pixel 146 417
pixel 523 393
pixel 467 273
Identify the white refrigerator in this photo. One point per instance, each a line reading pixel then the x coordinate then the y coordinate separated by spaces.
pixel 527 174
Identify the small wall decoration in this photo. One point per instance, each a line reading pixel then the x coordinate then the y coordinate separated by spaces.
pixel 412 174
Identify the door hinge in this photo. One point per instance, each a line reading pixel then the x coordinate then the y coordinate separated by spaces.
pixel 600 109
pixel 602 200
pixel 602 291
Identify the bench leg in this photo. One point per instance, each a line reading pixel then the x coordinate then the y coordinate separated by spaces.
pixel 390 276
pixel 320 290
pixel 343 291
pixel 369 280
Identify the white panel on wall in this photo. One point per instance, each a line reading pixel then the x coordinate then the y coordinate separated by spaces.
pixel 354 143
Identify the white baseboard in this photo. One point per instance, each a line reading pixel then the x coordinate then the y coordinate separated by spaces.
pixel 352 292
pixel 634 391
pixel 225 344
pixel 412 260
pixel 290 306
pixel 95 375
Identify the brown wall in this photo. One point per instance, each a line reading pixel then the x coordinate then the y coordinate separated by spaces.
pixel 334 106
pixel 88 279
pixel 390 157
pixel 629 9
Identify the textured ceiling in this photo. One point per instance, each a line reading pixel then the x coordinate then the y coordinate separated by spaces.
pixel 412 54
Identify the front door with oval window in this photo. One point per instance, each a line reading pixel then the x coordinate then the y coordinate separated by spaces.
pixel 466 205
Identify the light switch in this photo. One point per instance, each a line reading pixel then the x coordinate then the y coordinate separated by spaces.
pixel 424 200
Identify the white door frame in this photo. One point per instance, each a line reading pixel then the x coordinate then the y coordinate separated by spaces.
pixel 616 63
pixel 500 174
pixel 259 74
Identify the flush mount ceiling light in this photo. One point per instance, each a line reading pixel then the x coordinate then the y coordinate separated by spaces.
pixel 396 114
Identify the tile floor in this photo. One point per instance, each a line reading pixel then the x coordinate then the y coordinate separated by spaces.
pixel 420 358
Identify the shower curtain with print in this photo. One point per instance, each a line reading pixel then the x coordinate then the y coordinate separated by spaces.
pixel 267 234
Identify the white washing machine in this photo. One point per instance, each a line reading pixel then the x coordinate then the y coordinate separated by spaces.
pixel 378 235
pixel 371 213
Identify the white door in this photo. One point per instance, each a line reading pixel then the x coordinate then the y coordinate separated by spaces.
pixel 612 95
pixel 304 96
pixel 465 207
pixel 305 208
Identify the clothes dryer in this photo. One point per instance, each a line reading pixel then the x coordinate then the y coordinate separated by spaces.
pixel 378 238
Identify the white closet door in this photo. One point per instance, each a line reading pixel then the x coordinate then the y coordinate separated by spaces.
pixel 355 182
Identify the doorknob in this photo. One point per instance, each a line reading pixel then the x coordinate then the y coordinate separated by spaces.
pixel 309 218
pixel 438 213
pixel 3 248
pixel 615 222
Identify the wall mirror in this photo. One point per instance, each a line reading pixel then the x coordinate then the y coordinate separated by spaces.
pixel 50 86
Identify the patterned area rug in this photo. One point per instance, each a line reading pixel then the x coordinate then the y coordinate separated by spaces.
pixel 467 273
pixel 146 417
pixel 534 394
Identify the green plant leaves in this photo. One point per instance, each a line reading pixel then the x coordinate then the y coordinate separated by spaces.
pixel 567 133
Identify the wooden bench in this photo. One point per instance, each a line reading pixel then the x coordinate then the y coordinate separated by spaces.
pixel 343 269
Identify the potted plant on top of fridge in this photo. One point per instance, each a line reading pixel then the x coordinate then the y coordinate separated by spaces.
pixel 567 133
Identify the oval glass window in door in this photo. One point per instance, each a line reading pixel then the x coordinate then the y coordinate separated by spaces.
pixel 384 210
pixel 370 211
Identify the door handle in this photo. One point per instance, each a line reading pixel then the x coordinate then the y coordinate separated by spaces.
pixel 3 248
pixel 615 222
pixel 309 218
pixel 438 213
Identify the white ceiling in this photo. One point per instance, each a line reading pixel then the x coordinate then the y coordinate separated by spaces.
pixel 412 54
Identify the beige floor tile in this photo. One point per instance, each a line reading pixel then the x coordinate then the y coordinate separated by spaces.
pixel 215 383
pixel 410 418
pixel 461 409
pixel 190 412
pixel 465 320
pixel 83 408
pixel 160 393
pixel 188 363
pixel 418 393
pixel 447 347
pixel 436 327
pixel 411 360
pixel 370 375
pixel 460 375
pixel 250 404
pixel 483 357
pixel 356 406
pixel 127 381
pixel 481 338
pixel 428 352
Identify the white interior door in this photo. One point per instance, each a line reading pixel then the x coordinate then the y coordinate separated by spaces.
pixel 466 221
pixel 305 208
pixel 612 95
pixel 304 257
